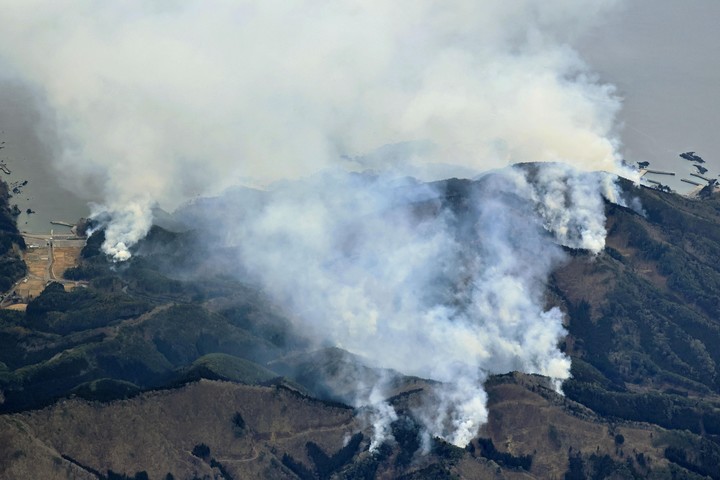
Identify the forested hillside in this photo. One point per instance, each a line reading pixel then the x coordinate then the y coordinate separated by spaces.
pixel 172 331
pixel 11 265
pixel 644 329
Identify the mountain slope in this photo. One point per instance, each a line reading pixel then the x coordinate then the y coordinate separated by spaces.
pixel 643 317
pixel 644 337
pixel 267 432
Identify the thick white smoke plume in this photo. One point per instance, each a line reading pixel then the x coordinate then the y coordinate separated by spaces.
pixel 162 101
pixel 396 274
pixel 166 100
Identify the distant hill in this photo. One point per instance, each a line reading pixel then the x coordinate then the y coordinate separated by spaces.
pixel 141 374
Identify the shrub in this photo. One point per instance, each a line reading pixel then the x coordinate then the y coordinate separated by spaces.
pixel 201 451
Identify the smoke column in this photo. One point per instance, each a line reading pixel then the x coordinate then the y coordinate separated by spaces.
pixel 158 102
pixel 392 272
pixel 161 101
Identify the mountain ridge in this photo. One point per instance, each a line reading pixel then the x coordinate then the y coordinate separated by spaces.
pixel 642 338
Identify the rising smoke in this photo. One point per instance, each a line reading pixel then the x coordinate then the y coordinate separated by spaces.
pixel 163 101
pixel 443 281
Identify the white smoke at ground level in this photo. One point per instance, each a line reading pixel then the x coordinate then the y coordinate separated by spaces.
pixel 417 285
pixel 124 226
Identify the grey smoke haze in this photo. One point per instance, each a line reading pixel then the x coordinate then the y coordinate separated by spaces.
pixel 30 144
pixel 166 101
pixel 662 56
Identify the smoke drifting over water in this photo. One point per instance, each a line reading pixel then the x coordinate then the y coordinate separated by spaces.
pixel 160 101
pixel 163 101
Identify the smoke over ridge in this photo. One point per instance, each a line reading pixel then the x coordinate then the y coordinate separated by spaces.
pixel 403 276
pixel 162 101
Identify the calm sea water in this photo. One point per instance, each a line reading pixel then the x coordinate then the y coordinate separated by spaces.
pixel 45 196
pixel 28 152
pixel 661 55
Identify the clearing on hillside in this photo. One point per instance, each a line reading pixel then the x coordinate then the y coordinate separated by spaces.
pixel 47 258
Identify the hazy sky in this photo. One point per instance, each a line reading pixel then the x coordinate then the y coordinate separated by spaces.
pixel 30 145
pixel 662 55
